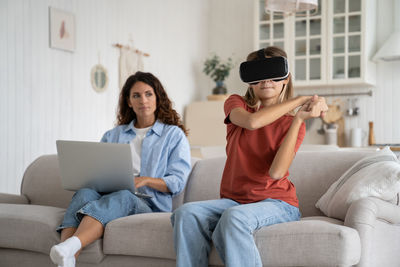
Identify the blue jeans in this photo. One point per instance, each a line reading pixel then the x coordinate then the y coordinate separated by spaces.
pixel 229 225
pixel 102 207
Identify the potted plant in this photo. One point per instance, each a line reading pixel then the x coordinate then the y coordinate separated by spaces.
pixel 218 71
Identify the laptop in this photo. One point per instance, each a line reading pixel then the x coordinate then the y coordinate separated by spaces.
pixel 104 167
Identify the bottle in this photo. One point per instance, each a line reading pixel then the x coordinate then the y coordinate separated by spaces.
pixel 331 134
pixel 371 136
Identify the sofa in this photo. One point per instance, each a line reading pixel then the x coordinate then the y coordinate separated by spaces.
pixel 369 235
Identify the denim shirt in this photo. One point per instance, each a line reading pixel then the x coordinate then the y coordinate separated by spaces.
pixel 165 154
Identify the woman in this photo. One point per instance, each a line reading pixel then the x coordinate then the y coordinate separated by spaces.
pixel 160 154
pixel 263 135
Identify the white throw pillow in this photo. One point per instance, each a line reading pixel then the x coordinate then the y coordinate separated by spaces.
pixel 376 175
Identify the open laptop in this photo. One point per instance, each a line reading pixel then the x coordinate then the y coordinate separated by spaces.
pixel 104 167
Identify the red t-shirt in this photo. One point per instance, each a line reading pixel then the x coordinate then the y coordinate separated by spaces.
pixel 250 154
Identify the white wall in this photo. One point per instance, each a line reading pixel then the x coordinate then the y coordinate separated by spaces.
pixel 231 34
pixel 46 93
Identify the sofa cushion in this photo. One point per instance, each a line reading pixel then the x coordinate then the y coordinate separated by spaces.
pixel 323 218
pixel 316 241
pixel 32 228
pixel 313 242
pixel 147 235
pixel 377 175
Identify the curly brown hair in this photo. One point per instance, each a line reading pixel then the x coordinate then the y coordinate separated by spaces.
pixel 164 111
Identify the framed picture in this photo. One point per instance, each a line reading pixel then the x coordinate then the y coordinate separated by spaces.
pixel 62 29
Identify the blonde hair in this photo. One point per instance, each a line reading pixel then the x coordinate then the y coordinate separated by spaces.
pixel 287 90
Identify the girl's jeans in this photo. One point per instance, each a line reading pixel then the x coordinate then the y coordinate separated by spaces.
pixel 103 208
pixel 229 225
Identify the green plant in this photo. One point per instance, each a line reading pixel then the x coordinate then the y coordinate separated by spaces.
pixel 216 69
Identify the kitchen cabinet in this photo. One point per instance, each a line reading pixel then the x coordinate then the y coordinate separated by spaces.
pixel 330 47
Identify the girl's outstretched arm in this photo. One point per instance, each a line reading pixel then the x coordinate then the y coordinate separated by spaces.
pixel 316 107
pixel 266 115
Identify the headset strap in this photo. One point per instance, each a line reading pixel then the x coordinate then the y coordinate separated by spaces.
pixel 261 54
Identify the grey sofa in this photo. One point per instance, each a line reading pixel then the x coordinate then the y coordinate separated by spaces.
pixel 369 236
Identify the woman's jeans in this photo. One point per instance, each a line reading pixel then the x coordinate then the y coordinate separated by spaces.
pixel 102 207
pixel 229 225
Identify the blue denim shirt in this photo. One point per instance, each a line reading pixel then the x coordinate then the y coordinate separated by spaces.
pixel 165 154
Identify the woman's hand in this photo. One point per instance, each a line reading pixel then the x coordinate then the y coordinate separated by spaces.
pixel 315 107
pixel 155 183
pixel 141 181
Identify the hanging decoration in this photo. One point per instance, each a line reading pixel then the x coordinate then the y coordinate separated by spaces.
pixel 130 61
pixel 99 77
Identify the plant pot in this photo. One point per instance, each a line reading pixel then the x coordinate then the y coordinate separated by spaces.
pixel 217 97
pixel 219 89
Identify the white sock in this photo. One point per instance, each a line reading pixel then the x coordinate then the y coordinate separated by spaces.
pixel 62 253
pixel 70 262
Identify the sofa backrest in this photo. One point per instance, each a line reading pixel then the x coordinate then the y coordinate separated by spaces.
pixel 312 172
pixel 204 180
pixel 177 200
pixel 42 184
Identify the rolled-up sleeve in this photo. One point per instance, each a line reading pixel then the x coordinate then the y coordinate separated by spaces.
pixel 179 165
pixel 106 137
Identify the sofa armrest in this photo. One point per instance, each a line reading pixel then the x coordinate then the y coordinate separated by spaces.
pixel 368 210
pixel 377 223
pixel 13 199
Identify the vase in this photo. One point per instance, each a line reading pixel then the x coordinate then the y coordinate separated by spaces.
pixel 219 89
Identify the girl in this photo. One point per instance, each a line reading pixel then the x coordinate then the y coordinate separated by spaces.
pixel 160 152
pixel 263 135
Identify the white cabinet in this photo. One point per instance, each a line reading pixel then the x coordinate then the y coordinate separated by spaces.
pixel 332 46
pixel 307 53
pixel 270 29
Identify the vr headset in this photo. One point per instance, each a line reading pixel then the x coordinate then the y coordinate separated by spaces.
pixel 273 68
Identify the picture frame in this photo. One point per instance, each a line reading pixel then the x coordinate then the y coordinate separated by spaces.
pixel 62 29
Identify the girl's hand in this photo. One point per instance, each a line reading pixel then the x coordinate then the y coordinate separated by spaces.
pixel 315 107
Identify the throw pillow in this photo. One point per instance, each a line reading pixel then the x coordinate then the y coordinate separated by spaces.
pixel 376 175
